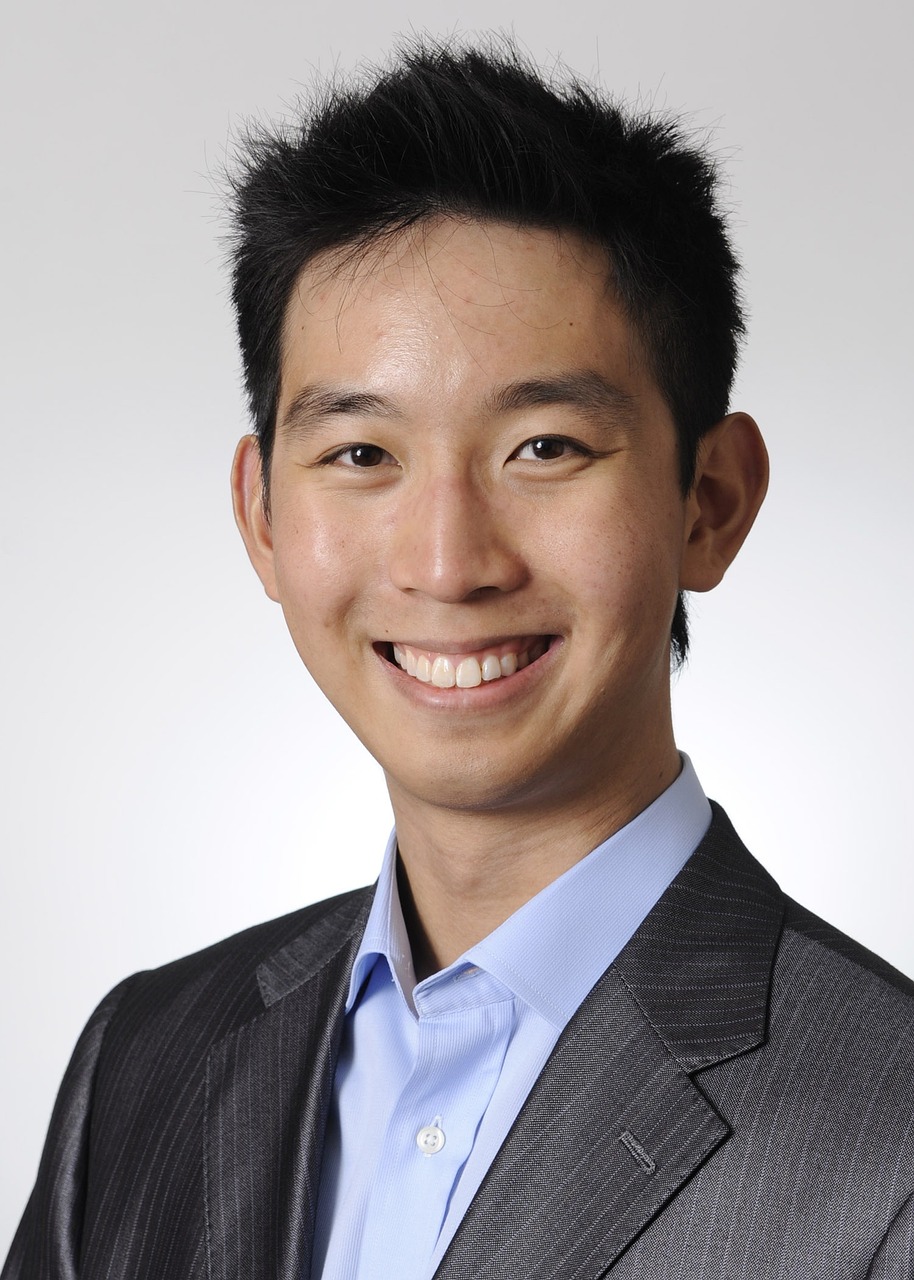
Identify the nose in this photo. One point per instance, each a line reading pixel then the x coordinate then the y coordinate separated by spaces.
pixel 454 542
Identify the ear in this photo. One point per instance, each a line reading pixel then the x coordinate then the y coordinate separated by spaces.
pixel 731 480
pixel 251 515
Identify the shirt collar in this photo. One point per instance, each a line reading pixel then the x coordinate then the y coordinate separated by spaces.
pixel 585 917
pixel 385 933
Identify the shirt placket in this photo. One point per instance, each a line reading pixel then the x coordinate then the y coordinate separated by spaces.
pixel 464 1024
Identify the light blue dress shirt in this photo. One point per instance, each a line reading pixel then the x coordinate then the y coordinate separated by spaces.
pixel 431 1076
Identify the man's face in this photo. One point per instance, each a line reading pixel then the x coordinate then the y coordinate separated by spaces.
pixel 475 478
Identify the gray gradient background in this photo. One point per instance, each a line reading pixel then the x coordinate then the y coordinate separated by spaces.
pixel 172 775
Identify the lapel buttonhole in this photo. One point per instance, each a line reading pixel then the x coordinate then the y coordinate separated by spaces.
pixel 637 1152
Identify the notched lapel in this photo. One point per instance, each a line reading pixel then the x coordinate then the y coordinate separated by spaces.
pixel 267 1095
pixel 615 1125
pixel 700 965
pixel 611 1130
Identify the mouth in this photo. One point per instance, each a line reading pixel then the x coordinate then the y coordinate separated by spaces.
pixel 450 669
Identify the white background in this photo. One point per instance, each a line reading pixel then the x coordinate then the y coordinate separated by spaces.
pixel 171 774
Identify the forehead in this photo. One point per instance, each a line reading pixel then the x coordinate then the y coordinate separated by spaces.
pixel 500 261
pixel 455 302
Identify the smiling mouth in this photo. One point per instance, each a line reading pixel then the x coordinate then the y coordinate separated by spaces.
pixel 467 670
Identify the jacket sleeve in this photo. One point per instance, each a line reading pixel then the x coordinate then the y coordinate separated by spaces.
pixel 47 1244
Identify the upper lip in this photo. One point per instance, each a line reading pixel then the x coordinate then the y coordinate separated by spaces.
pixel 451 645
pixel 472 644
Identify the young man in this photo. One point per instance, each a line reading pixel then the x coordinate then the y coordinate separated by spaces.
pixel 489 332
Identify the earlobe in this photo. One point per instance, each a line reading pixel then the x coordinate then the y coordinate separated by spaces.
pixel 251 515
pixel 731 480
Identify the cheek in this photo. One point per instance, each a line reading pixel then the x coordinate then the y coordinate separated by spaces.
pixel 620 570
pixel 319 568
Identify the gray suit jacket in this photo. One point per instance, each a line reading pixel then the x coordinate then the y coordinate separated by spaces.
pixel 732 1101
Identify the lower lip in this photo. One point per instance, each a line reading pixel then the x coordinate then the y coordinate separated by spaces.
pixel 490 693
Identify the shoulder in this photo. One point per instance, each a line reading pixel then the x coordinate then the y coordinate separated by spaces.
pixel 252 946
pixel 846 996
pixel 822 1107
pixel 202 996
pixel 835 1072
pixel 131 1109
pixel 815 939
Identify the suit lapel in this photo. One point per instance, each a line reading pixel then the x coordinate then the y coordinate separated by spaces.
pixel 700 965
pixel 615 1124
pixel 611 1130
pixel 267 1096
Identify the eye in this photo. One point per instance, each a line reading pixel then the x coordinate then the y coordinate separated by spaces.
pixel 548 449
pixel 361 455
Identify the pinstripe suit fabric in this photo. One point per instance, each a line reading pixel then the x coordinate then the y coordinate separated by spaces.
pixel 732 1101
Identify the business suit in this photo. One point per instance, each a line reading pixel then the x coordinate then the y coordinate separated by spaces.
pixel 733 1099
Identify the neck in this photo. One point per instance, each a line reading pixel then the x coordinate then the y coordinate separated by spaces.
pixel 463 872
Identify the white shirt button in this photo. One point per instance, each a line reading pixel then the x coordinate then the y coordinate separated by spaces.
pixel 430 1139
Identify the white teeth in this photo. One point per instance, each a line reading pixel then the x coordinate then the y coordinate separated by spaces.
pixel 491 667
pixel 443 673
pixel 508 664
pixel 465 673
pixel 469 674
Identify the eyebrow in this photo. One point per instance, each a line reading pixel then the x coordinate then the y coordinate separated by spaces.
pixel 583 389
pixel 318 401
